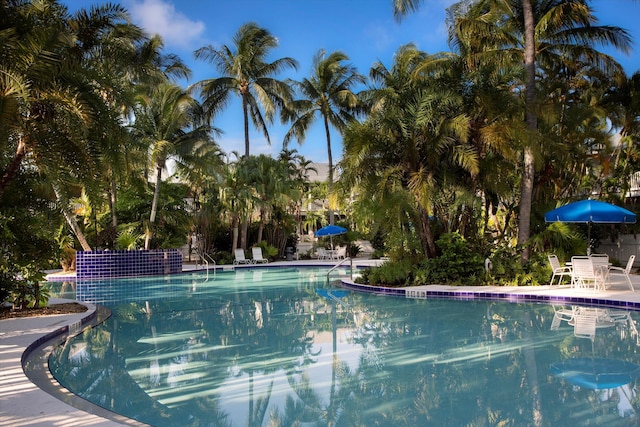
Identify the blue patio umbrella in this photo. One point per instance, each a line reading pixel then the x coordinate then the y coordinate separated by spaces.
pixel 596 373
pixel 330 231
pixel 591 212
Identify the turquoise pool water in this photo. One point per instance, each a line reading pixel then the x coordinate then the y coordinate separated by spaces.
pixel 280 347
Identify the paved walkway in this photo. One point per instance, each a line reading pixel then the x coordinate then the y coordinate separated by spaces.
pixel 22 403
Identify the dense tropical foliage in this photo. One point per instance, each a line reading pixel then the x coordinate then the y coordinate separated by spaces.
pixel 445 153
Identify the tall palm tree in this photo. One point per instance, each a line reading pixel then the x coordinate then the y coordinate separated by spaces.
pixel 247 74
pixel 535 34
pixel 327 94
pixel 169 122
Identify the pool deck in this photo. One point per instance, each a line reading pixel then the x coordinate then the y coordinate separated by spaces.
pixel 22 403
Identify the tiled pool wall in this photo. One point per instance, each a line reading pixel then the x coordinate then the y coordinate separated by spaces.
pixel 108 264
pixel 484 294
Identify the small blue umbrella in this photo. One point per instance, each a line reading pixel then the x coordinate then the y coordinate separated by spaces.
pixel 330 230
pixel 591 212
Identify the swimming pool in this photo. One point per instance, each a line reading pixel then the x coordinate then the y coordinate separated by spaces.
pixel 264 347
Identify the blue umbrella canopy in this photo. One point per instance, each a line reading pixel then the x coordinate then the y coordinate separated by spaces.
pixel 591 211
pixel 330 230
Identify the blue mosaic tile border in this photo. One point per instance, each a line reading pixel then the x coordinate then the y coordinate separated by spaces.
pixel 466 295
pixel 108 264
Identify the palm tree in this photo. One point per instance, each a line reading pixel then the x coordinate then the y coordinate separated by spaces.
pixel 328 94
pixel 246 73
pixel 414 143
pixel 52 101
pixel 168 121
pixel 535 34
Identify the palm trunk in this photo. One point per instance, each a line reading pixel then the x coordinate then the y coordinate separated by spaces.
pixel 234 245
pixel 528 165
pixel 113 201
pixel 245 114
pixel 13 167
pixel 330 158
pixel 70 218
pixel 154 207
pixel 261 227
pixel 426 234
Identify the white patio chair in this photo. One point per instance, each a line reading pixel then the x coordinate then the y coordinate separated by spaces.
pixel 559 271
pixel 584 325
pixel 239 257
pixel 619 271
pixel 561 314
pixel 601 266
pixel 257 255
pixel 322 253
pixel 341 252
pixel 583 273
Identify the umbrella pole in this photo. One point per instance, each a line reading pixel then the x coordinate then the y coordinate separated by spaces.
pixel 589 238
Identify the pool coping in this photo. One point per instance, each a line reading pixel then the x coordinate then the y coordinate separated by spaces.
pixel 35 364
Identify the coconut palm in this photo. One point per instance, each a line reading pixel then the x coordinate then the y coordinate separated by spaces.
pixel 168 121
pixel 326 94
pixel 536 34
pixel 247 74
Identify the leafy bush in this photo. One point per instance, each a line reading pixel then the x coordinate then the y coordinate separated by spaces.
pixel 508 270
pixel 392 274
pixel 268 251
pixel 457 264
pixel 129 238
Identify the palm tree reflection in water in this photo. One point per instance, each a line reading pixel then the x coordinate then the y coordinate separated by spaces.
pixel 279 352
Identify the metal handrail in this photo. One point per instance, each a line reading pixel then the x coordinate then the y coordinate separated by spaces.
pixel 339 264
pixel 203 256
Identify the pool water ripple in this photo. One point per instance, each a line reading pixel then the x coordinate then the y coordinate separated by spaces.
pixel 272 347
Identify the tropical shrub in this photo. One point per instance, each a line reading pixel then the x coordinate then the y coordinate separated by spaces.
pixel 392 274
pixel 457 264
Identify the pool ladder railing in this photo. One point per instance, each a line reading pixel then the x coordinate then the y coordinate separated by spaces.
pixel 339 264
pixel 205 258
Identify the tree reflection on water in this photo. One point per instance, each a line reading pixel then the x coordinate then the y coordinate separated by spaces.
pixel 281 355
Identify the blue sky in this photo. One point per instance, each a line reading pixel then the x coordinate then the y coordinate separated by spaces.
pixel 363 29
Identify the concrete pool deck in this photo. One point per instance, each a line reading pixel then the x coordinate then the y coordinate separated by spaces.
pixel 22 403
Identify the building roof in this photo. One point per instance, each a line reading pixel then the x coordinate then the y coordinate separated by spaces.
pixel 321 173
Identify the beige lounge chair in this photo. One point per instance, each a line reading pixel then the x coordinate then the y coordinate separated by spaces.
pixel 239 257
pixel 257 255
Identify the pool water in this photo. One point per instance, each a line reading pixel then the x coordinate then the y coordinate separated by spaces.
pixel 281 347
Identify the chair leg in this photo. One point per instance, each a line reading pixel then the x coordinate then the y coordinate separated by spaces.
pixel 630 284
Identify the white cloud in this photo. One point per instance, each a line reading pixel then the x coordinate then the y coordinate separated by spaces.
pixel 160 17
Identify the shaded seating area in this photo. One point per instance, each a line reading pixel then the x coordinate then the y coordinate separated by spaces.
pixel 591 272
